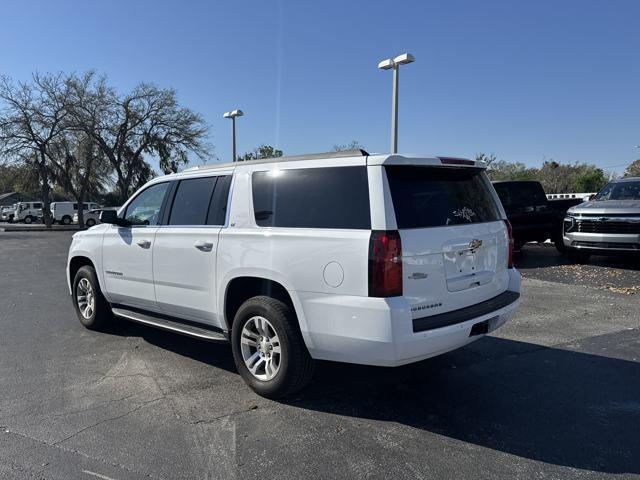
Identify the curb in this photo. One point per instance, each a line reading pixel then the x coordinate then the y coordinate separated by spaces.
pixel 39 229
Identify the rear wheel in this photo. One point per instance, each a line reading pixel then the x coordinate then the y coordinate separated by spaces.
pixel 28 219
pixel 66 220
pixel 268 348
pixel 91 307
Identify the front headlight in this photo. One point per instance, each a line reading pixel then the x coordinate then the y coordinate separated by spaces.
pixel 569 223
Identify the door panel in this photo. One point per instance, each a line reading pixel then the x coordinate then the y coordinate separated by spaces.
pixel 127 252
pixel 184 256
pixel 127 265
pixel 184 272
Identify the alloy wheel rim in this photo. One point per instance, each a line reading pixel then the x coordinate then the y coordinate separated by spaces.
pixel 261 349
pixel 85 298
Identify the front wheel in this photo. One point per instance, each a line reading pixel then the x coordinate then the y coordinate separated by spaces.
pixel 91 307
pixel 559 244
pixel 90 223
pixel 268 348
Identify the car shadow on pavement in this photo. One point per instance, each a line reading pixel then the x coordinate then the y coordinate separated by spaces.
pixel 216 354
pixel 552 405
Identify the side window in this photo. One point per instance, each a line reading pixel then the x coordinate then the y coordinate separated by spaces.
pixel 191 201
pixel 145 208
pixel 335 197
pixel 218 206
pixel 37 205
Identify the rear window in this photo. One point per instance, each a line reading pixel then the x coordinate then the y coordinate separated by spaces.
pixel 336 197
pixel 520 194
pixel 435 197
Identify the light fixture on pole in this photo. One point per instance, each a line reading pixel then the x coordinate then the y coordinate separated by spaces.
pixel 232 115
pixel 388 64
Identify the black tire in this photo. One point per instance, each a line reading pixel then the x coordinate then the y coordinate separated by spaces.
pixel 296 365
pixel 66 220
pixel 101 315
pixel 90 223
pixel 576 256
pixel 559 243
pixel 28 219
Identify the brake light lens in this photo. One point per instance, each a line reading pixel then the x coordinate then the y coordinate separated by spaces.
pixel 385 264
pixel 456 161
pixel 510 235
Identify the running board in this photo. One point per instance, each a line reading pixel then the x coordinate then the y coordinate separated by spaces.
pixel 171 325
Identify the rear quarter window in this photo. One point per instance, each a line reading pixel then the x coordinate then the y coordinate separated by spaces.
pixel 436 197
pixel 334 197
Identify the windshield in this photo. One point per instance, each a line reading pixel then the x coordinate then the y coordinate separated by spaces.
pixel 619 191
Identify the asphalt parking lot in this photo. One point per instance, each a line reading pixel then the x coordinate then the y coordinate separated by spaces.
pixel 553 394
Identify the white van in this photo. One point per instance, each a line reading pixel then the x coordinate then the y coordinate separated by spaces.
pixel 63 211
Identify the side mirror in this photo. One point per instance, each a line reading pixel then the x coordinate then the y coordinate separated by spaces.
pixel 111 216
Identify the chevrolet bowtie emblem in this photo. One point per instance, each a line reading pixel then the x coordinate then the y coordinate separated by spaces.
pixel 475 243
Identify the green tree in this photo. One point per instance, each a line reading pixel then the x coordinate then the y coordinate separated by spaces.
pixel 19 177
pixel 591 179
pixel 503 170
pixel 633 170
pixel 263 151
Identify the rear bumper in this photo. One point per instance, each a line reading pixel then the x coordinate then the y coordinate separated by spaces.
pixel 379 331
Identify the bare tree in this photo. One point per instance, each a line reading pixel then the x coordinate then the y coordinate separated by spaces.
pixel 487 159
pixel 79 168
pixel 353 145
pixel 147 121
pixel 32 117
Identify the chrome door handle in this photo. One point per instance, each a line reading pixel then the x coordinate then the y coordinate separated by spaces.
pixel 144 243
pixel 203 246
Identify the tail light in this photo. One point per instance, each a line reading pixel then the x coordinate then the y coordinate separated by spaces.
pixel 510 235
pixel 385 264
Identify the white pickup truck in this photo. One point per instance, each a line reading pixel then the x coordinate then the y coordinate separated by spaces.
pixel 28 212
pixel 351 257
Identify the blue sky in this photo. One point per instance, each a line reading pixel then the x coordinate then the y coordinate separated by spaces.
pixel 524 80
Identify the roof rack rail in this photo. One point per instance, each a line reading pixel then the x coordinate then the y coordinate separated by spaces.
pixel 293 158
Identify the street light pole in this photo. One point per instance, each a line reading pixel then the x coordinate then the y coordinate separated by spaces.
pixel 394 110
pixel 394 63
pixel 232 115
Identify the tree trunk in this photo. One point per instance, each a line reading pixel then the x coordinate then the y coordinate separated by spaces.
pixel 44 189
pixel 80 201
pixel 123 190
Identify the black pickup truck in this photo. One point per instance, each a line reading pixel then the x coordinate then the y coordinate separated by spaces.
pixel 533 217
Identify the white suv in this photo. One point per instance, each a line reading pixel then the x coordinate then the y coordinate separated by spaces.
pixel 351 257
